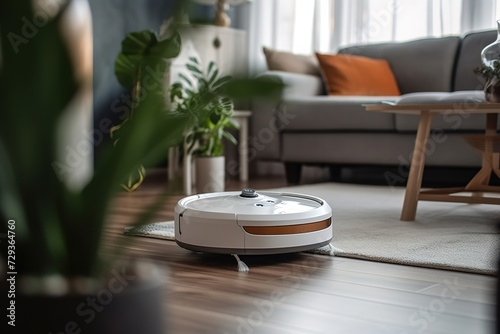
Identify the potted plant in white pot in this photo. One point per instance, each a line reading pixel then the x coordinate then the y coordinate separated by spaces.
pixel 205 140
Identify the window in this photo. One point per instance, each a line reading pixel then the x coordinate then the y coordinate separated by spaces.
pixel 305 26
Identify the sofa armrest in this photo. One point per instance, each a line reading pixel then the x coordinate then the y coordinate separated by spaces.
pixel 296 84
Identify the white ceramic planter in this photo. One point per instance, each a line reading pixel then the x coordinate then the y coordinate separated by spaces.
pixel 210 174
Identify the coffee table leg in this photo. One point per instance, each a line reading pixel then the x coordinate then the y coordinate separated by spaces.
pixel 489 162
pixel 417 167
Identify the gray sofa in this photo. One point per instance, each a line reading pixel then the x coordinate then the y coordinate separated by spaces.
pixel 307 127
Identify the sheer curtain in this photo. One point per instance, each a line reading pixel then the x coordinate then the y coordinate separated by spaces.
pixel 298 26
pixel 371 21
pixel 305 26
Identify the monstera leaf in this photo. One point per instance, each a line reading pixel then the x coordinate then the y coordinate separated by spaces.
pixel 140 67
pixel 142 51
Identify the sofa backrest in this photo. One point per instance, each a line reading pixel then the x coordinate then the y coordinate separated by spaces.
pixel 469 58
pixel 424 65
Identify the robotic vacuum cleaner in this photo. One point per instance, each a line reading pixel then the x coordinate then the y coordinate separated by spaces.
pixel 251 223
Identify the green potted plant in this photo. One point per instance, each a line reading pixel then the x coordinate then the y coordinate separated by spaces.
pixel 491 75
pixel 51 229
pixel 206 138
pixel 55 227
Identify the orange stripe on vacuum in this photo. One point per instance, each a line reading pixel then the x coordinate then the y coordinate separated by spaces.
pixel 289 229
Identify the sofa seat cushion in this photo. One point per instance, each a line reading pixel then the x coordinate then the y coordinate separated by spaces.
pixel 381 148
pixel 463 122
pixel 335 113
pixel 295 84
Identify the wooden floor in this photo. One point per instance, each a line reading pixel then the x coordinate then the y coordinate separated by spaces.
pixel 300 293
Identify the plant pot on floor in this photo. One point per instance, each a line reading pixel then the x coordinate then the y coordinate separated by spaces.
pixel 210 174
pixel 129 301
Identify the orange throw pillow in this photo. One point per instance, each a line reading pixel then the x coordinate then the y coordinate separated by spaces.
pixel 355 75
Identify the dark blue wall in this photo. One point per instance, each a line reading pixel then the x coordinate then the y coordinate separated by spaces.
pixel 112 20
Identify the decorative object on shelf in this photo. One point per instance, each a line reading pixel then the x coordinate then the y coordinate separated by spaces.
pixel 490 69
pixel 221 7
pixel 202 95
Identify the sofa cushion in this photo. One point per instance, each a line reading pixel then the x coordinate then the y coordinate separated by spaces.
pixel 291 62
pixel 465 97
pixel 334 113
pixel 355 75
pixel 424 65
pixel 469 58
pixel 461 122
pixel 374 148
pixel 296 84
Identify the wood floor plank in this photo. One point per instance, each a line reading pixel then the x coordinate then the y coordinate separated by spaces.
pixel 432 275
pixel 432 314
pixel 484 295
pixel 466 286
pixel 454 305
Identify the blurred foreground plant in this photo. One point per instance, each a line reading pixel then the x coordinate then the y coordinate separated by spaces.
pixel 59 227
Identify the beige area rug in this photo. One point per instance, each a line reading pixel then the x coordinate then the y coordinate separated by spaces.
pixel 366 225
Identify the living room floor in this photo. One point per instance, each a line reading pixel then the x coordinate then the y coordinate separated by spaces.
pixel 302 292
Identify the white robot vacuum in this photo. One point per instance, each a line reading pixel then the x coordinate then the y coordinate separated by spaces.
pixel 251 223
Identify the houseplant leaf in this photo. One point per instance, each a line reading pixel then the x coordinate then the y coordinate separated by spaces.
pixel 142 50
pixel 245 88
pixel 31 108
pixel 141 67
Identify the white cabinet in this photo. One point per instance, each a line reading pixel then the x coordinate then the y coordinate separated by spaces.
pixel 226 46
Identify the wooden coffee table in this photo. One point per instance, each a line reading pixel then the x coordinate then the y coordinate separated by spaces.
pixel 489 144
